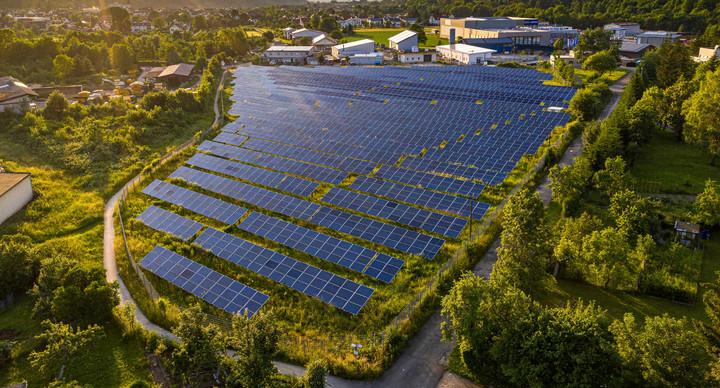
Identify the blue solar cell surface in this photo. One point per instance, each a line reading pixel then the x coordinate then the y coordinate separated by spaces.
pixel 261 176
pixel 384 267
pixel 404 214
pixel 326 247
pixel 165 221
pixel 208 285
pixel 319 173
pixel 430 181
pixel 371 230
pixel 443 202
pixel 325 286
pixel 199 203
pixel 227 151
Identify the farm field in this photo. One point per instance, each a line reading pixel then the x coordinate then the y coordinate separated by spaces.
pixel 286 175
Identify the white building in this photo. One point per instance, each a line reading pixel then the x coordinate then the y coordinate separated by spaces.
pixel 404 41
pixel 628 28
pixel 14 95
pixel 287 32
pixel 367 59
pixel 707 53
pixel 417 57
pixel 657 38
pixel 363 46
pixel 305 33
pixel 464 53
pixel 324 43
pixel 15 192
pixel 289 54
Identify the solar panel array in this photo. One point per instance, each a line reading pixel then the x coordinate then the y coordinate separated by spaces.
pixel 329 288
pixel 419 138
pixel 391 236
pixel 171 223
pixel 404 214
pixel 199 203
pixel 326 247
pixel 208 285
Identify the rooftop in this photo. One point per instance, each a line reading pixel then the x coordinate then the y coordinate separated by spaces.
pixel 466 48
pixel 354 44
pixel 289 48
pixel 8 180
pixel 633 47
pixel 659 34
pixel 12 88
pixel 687 227
pixel 181 69
pixel 407 34
pixel 322 37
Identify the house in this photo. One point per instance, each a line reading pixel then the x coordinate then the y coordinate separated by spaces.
pixel 434 20
pixel 624 28
pixel 466 54
pixel 366 59
pixel 141 26
pixel 363 46
pixel 14 95
pixel 176 74
pixel 567 58
pixel 657 38
pixel 15 192
pixel 687 233
pixel 633 50
pixel 324 43
pixel 305 33
pixel 374 21
pixel 353 21
pixel 426 56
pixel 33 21
pixel 707 53
pixel 289 54
pixel 404 41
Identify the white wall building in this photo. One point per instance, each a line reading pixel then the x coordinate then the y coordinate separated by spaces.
pixel 707 53
pixel 404 41
pixel 364 46
pixel 15 192
pixel 367 59
pixel 304 32
pixel 417 57
pixel 464 53
pixel 289 54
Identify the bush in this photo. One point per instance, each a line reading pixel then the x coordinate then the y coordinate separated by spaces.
pixel 5 353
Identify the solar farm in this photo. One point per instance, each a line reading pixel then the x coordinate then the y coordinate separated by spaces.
pixel 338 189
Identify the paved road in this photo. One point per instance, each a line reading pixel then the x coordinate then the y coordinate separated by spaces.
pixel 422 365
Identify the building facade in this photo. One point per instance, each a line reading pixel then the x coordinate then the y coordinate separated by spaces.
pixel 15 192
pixel 404 41
pixel 363 46
pixel 465 54
pixel 289 54
pixel 417 57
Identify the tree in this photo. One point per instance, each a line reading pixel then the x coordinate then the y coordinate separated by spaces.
pixel 525 250
pixel 568 249
pixel 256 341
pixel 201 346
pixel 122 60
pixel 328 25
pixel 707 205
pixel 642 121
pixel 159 24
pixel 613 178
pixel 315 373
pixel 337 35
pixel 703 117
pixel 634 215
pixel 19 266
pixel 201 61
pixel 674 98
pixel 268 35
pixel 585 104
pixel 63 65
pixel 569 182
pixel 666 352
pixel 602 61
pixel 558 46
pixel 421 37
pixel 199 23
pixel 120 19
pixel 321 58
pixel 61 343
pixel 606 261
pixel 56 106
pixel 674 62
pixel 592 41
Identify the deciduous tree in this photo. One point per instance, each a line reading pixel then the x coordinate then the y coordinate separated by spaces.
pixel 256 341
pixel 703 116
pixel 61 341
pixel 707 205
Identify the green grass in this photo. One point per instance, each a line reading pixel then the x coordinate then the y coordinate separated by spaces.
pixel 381 35
pixel 109 362
pixel 674 163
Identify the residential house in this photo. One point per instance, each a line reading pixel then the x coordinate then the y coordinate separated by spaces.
pixel 14 95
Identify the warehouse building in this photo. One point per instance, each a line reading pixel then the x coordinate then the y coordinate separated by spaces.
pixel 324 44
pixel 633 50
pixel 305 33
pixel 657 38
pixel 417 56
pixel 289 54
pixel 501 45
pixel 364 46
pixel 15 192
pixel 623 29
pixel 366 59
pixel 15 95
pixel 465 54
pixel 523 32
pixel 404 41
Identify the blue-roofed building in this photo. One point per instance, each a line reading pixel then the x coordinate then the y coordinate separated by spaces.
pixel 501 45
pixel 657 38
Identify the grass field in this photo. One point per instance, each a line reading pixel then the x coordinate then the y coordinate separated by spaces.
pixel 678 166
pixel 381 35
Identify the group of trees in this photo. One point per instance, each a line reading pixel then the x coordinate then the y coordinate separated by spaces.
pixel 504 335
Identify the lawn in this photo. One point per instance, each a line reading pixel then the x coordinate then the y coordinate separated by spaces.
pixel 381 35
pixel 678 166
pixel 109 362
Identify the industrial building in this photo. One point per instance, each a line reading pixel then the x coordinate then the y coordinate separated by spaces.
pixel 633 50
pixel 15 192
pixel 623 29
pixel 466 54
pixel 324 44
pixel 363 46
pixel 501 45
pixel 305 33
pixel 404 41
pixel 366 59
pixel 523 32
pixel 657 38
pixel 14 95
pixel 289 54
pixel 417 56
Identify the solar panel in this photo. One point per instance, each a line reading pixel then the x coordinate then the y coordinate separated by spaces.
pixel 199 203
pixel 171 223
pixel 326 247
pixel 322 174
pixel 404 214
pixel 315 282
pixel 208 285
pixel 384 267
pixel 254 174
pixel 430 181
